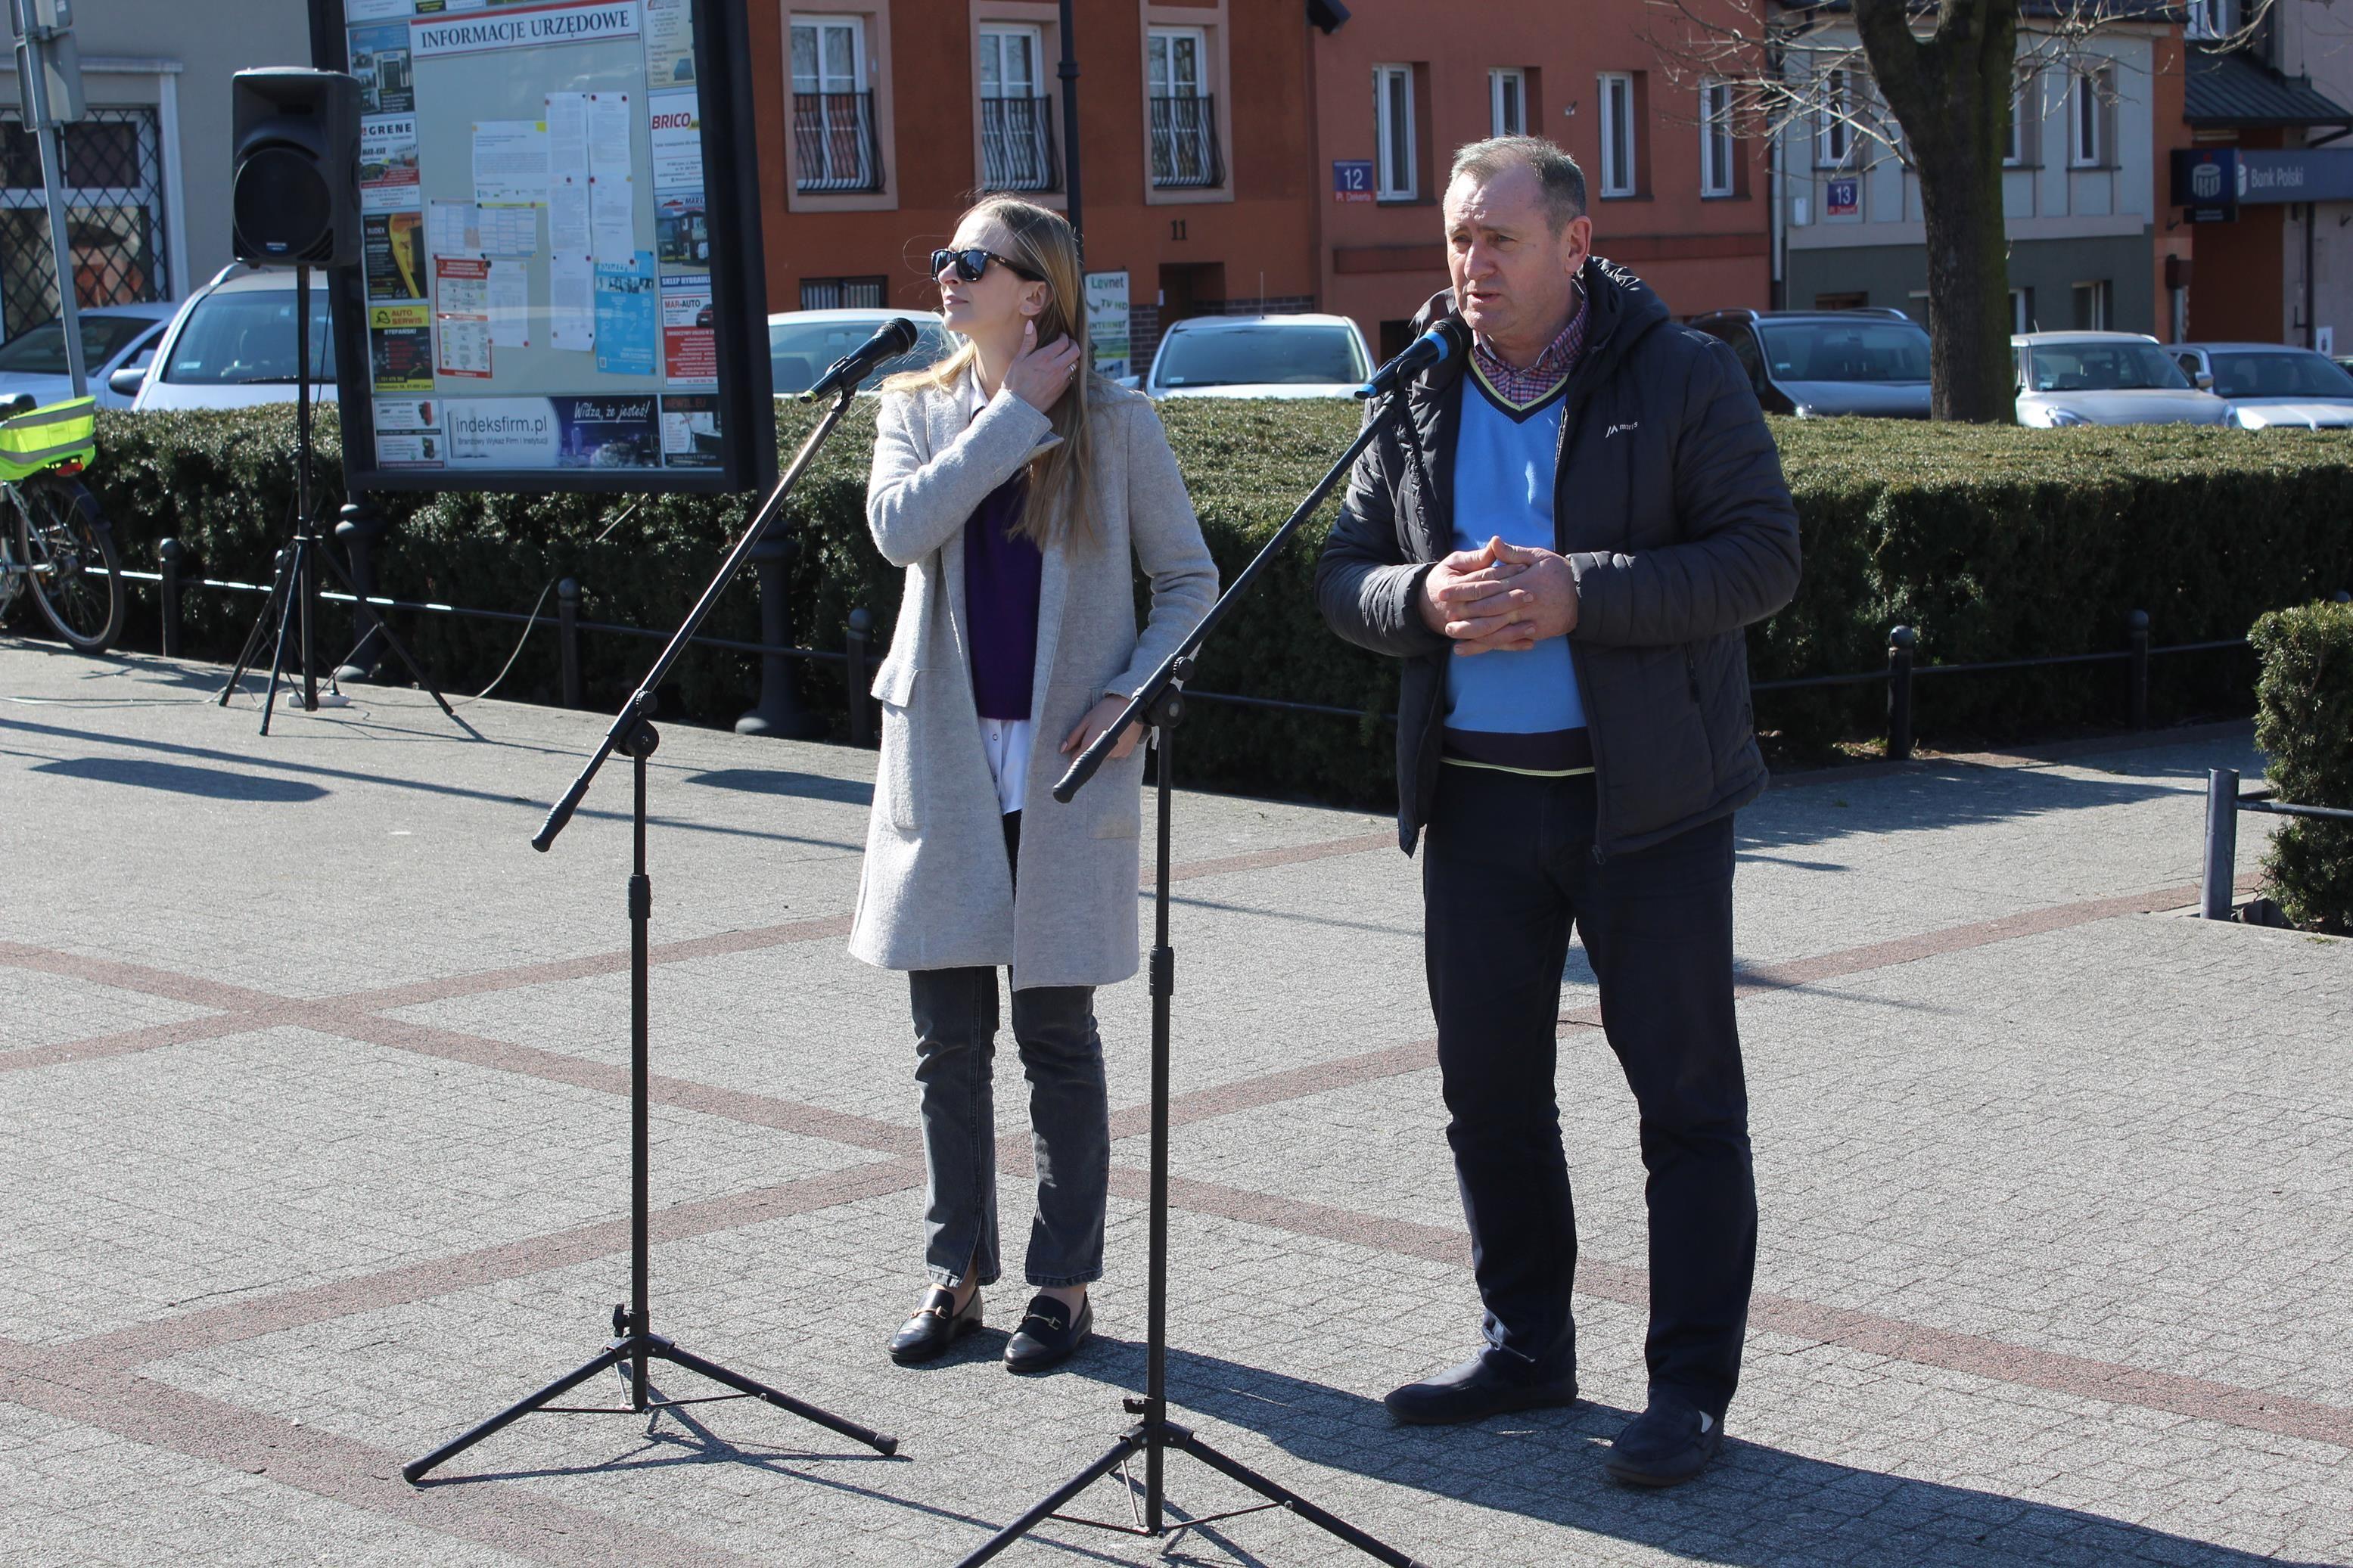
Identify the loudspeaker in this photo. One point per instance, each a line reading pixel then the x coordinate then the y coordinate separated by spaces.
pixel 294 189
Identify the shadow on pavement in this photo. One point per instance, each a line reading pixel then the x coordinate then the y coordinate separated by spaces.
pixel 208 783
pixel 777 781
pixel 1756 1507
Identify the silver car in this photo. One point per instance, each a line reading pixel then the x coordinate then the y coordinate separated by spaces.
pixel 2271 385
pixel 2106 378
pixel 1259 356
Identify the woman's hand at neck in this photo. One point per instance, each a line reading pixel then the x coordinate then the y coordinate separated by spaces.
pixel 1037 376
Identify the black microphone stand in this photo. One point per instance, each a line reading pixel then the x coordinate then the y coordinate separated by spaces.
pixel 634 1341
pixel 1160 702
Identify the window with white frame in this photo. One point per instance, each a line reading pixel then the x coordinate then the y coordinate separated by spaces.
pixel 2022 102
pixel 1016 142
pixel 1834 140
pixel 1618 132
pixel 2087 113
pixel 1395 177
pixel 1715 146
pixel 1183 113
pixel 2212 19
pixel 833 110
pixel 1507 102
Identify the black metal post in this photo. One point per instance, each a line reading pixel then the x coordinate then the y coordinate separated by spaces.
pixel 2221 843
pixel 567 638
pixel 169 552
pixel 778 712
pixel 1068 73
pixel 856 644
pixel 358 526
pixel 1899 644
pixel 2136 669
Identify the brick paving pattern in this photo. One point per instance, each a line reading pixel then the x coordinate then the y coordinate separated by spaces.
pixel 315 1148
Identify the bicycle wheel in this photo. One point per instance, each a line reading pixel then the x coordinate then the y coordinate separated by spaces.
pixel 69 553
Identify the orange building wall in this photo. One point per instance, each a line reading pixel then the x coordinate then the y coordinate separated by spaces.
pixel 1258 238
pixel 1378 262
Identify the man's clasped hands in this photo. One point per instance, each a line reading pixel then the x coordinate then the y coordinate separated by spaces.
pixel 1500 598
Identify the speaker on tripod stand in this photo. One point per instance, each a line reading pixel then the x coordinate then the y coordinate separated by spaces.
pixel 294 202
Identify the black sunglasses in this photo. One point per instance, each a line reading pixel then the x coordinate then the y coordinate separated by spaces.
pixel 971 264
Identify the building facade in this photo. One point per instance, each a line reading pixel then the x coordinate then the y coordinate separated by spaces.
pixel 887 118
pixel 147 170
pixel 1397 88
pixel 2082 197
pixel 2276 268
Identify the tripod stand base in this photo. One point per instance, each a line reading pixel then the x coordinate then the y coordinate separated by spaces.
pixel 1142 1438
pixel 621 1352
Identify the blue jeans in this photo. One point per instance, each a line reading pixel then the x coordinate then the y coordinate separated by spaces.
pixel 956 1013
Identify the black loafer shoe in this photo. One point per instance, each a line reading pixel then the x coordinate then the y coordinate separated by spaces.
pixel 1049 1335
pixel 935 1326
pixel 1473 1392
pixel 1666 1444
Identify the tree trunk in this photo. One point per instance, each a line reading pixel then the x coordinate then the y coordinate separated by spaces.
pixel 1950 92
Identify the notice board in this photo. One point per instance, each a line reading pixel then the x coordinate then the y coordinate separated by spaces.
pixel 561 280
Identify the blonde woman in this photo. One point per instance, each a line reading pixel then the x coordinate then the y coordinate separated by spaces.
pixel 1021 492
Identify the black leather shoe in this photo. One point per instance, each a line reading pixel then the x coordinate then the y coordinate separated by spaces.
pixel 1666 1444
pixel 1049 1335
pixel 1473 1392
pixel 935 1326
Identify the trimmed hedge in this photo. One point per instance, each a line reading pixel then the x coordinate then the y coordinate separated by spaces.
pixel 1992 542
pixel 2304 723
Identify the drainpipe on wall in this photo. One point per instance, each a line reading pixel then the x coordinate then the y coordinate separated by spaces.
pixel 2311 332
pixel 1776 294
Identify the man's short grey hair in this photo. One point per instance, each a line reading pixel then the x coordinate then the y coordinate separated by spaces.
pixel 1556 171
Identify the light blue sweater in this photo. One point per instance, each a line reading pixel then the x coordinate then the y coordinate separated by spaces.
pixel 1517 712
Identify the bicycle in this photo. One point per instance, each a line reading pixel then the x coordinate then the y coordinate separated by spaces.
pixel 62 548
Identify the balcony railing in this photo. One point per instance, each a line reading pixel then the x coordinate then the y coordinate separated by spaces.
pixel 833 142
pixel 1017 145
pixel 1184 143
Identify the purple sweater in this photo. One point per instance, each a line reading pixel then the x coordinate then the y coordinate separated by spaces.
pixel 1001 578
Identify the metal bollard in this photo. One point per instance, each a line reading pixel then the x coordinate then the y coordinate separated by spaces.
pixel 856 644
pixel 2136 670
pixel 170 550
pixel 2221 843
pixel 1899 644
pixel 359 526
pixel 567 638
pixel 778 711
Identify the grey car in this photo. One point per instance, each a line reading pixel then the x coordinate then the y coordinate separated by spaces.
pixel 1816 364
pixel 2271 385
pixel 113 338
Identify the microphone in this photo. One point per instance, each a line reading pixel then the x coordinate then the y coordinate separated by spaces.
pixel 896 336
pixel 1444 339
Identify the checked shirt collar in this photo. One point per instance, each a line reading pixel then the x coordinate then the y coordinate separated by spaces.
pixel 1522 387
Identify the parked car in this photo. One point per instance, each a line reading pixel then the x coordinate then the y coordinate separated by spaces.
pixel 2269 384
pixel 802 343
pixel 1816 364
pixel 112 337
pixel 2106 378
pixel 233 344
pixel 1260 357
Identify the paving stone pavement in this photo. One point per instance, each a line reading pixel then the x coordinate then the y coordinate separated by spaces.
pixel 313 1143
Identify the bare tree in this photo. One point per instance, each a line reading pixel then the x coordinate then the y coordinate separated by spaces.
pixel 1932 84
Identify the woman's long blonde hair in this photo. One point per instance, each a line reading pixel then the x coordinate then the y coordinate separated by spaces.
pixel 1056 510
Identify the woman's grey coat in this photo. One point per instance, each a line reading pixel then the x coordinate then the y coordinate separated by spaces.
pixel 936 892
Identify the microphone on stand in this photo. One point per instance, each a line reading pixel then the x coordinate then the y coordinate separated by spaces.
pixel 1448 337
pixel 895 338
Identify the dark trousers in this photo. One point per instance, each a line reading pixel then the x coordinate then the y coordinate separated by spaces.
pixel 1509 867
pixel 1070 1119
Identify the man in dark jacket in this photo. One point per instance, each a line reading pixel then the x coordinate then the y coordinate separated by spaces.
pixel 1565 539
